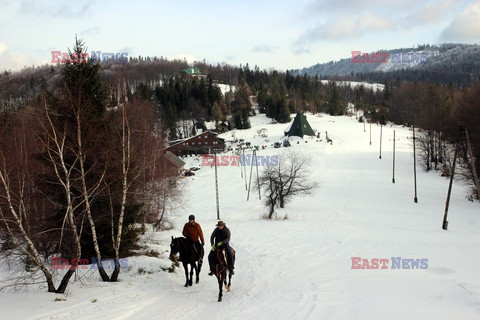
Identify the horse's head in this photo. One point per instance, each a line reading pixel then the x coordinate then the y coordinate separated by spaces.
pixel 174 248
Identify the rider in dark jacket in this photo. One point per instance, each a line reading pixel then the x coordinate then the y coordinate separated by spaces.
pixel 220 238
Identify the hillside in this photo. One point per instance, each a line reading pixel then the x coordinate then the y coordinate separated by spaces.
pixel 458 64
pixel 301 267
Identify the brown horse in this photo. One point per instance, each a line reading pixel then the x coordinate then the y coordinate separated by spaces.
pixel 220 268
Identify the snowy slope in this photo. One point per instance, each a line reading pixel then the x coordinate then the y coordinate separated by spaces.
pixel 354 84
pixel 300 268
pixel 224 88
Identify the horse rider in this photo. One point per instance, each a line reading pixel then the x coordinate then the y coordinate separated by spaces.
pixel 220 238
pixel 193 232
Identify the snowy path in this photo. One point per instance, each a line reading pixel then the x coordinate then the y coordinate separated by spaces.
pixel 300 268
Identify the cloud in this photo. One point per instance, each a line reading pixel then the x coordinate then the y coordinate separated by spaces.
pixel 10 60
pixel 5 3
pixel 465 26
pixel 356 6
pixel 352 19
pixel 55 8
pixel 263 48
pixel 128 50
pixel 429 13
pixel 90 31
pixel 187 57
pixel 345 26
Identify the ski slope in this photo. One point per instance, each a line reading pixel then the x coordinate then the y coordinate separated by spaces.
pixel 301 267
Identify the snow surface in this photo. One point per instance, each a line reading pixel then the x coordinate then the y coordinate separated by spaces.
pixel 354 84
pixel 300 267
pixel 224 88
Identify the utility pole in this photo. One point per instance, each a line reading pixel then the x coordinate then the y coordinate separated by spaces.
pixel 415 199
pixel 216 186
pixel 447 203
pixel 414 166
pixel 244 163
pixel 258 178
pixel 370 132
pixel 254 156
pixel 240 164
pixel 393 176
pixel 461 131
pixel 472 165
pixel 380 156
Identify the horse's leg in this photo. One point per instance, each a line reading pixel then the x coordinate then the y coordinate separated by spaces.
pixel 229 282
pixel 220 287
pixel 185 267
pixel 190 280
pixel 197 271
pixel 200 263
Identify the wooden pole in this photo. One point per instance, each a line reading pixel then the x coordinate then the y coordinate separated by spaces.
pixel 258 179
pixel 472 165
pixel 380 156
pixel 447 203
pixel 240 164
pixel 216 187
pixel 254 156
pixel 393 177
pixel 415 199
pixel 370 132
pixel 244 168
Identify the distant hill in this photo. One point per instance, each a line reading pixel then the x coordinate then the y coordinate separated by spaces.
pixel 455 64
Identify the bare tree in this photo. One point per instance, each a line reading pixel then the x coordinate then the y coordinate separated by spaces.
pixel 15 198
pixel 286 180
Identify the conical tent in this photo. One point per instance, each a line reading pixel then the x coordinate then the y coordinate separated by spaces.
pixel 300 127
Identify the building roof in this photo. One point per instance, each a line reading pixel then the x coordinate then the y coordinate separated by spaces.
pixel 176 161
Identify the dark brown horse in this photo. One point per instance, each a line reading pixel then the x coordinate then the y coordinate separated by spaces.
pixel 188 256
pixel 220 268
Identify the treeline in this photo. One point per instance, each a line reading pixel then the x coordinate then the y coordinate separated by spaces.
pixel 78 178
pixel 184 103
pixel 440 111
pixel 460 75
pixel 447 64
pixel 280 94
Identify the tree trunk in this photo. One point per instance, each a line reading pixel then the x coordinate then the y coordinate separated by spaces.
pixel 116 271
pixel 51 286
pixel 272 210
pixel 66 278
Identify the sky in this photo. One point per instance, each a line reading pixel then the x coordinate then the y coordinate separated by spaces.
pixel 269 34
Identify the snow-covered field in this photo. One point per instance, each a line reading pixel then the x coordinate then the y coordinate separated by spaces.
pixel 354 84
pixel 301 267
